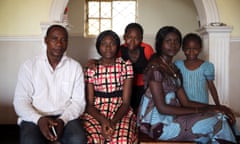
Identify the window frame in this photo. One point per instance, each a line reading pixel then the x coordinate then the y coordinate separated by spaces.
pixel 99 18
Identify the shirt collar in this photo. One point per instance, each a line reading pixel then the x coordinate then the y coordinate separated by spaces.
pixel 62 61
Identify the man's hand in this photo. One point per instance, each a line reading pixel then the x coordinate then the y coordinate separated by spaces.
pixel 59 127
pixel 45 124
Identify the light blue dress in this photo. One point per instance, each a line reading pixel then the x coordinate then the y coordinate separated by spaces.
pixel 195 81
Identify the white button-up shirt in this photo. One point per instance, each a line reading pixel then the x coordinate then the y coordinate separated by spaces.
pixel 42 91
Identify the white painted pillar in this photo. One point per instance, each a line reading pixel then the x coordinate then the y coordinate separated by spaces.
pixel 216 40
pixel 56 16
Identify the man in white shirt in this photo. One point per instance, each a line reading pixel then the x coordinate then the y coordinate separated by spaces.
pixel 49 96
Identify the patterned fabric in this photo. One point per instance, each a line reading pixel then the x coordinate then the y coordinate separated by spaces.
pixel 108 83
pixel 195 81
pixel 203 128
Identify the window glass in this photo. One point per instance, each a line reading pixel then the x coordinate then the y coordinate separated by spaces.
pixel 109 14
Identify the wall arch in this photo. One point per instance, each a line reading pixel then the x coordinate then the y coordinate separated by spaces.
pixel 57 10
pixel 56 15
pixel 207 11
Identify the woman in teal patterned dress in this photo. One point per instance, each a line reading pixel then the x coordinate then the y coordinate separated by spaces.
pixel 165 112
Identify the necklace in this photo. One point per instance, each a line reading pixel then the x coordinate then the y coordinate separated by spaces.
pixel 169 67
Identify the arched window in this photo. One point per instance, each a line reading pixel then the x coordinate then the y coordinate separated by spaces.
pixel 109 14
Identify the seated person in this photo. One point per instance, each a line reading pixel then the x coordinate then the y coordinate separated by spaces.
pixel 166 113
pixel 50 94
pixel 109 117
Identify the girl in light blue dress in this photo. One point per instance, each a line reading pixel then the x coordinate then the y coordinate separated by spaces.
pixel 165 112
pixel 198 75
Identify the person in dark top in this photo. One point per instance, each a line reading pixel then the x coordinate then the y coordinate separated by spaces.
pixel 138 52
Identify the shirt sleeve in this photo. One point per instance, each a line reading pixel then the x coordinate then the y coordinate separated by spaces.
pixel 128 71
pixel 78 101
pixel 177 63
pixel 22 100
pixel 148 50
pixel 153 74
pixel 209 71
pixel 89 73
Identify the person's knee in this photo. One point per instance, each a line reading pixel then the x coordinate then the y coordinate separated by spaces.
pixel 123 140
pixel 30 134
pixel 31 140
pixel 74 133
pixel 77 139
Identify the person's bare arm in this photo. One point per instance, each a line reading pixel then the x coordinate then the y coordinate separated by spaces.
pixel 127 90
pixel 164 108
pixel 183 99
pixel 213 91
pixel 200 107
pixel 107 130
pixel 91 64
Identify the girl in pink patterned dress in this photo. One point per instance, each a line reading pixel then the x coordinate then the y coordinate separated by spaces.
pixel 108 117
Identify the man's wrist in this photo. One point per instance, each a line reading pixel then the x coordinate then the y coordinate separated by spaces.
pixel 60 121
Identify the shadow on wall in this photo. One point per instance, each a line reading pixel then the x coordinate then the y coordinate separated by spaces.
pixel 82 49
pixel 13 53
pixel 8 115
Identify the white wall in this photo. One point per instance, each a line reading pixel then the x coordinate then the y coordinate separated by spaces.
pixel 154 14
pixel 234 71
pixel 151 14
pixel 23 17
pixel 12 54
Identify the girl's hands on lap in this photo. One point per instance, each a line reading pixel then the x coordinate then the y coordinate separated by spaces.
pixel 226 111
pixel 107 129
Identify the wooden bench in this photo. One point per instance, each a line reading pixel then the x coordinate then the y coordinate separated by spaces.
pixel 145 139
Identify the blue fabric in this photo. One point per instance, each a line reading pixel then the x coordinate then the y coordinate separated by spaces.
pixel 195 81
pixel 207 128
pixel 73 133
pixel 200 127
